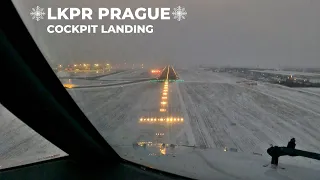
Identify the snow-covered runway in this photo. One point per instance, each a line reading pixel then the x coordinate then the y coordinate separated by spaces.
pixel 217 112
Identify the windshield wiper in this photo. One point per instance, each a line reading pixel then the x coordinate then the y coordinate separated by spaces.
pixel 275 152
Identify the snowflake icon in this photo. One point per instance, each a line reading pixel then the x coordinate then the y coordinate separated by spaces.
pixel 37 13
pixel 179 13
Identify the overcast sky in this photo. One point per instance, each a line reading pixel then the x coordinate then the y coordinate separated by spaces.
pixel 219 32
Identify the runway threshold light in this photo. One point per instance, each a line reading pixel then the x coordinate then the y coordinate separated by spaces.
pixel 160 120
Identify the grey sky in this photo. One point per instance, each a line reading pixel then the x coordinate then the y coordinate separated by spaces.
pixel 219 32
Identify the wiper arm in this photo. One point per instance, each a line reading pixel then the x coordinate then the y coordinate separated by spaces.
pixel 275 152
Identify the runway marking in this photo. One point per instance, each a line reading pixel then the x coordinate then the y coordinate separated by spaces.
pixel 165 94
pixel 164 104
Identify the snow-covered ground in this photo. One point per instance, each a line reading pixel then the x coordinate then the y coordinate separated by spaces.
pixel 102 79
pixel 288 73
pixel 84 82
pixel 313 90
pixel 128 74
pixel 217 113
pixel 64 74
pixel 19 144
